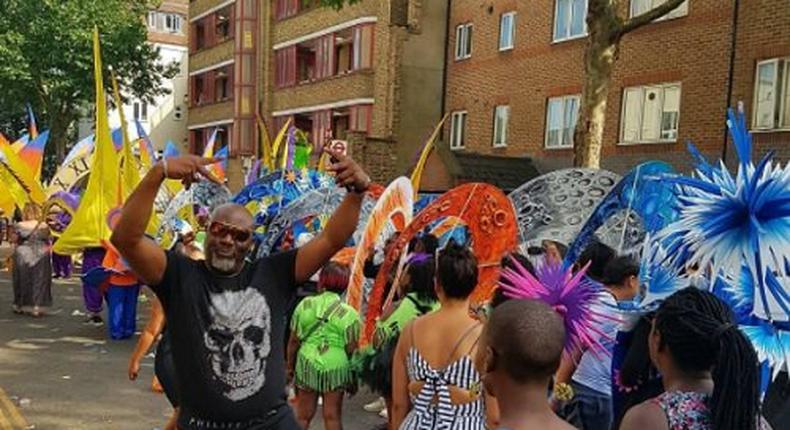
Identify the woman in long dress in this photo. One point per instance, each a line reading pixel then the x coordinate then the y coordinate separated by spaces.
pixel 32 273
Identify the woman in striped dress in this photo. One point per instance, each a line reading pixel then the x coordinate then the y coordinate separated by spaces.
pixel 435 384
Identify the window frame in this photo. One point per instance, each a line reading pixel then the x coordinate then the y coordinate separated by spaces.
pixel 641 141
pixel 569 37
pixel 177 21
pixel 463 114
pixel 463 39
pixel 503 142
pixel 140 111
pixel 512 15
pixel 563 99
pixel 781 87
pixel 152 14
pixel 669 16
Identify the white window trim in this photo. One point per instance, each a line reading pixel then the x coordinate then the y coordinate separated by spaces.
pixel 784 89
pixel 463 30
pixel 775 62
pixel 512 14
pixel 659 141
pixel 582 35
pixel 455 114
pixel 781 88
pixel 560 147
pixel 325 31
pixel 152 14
pixel 667 17
pixel 326 106
pixel 505 130
pixel 211 10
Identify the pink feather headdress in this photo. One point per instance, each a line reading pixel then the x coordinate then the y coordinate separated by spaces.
pixel 573 296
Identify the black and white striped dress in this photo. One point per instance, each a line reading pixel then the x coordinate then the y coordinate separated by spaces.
pixel 432 408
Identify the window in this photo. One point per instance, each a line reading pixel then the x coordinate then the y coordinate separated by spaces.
pixel 501 120
pixel 199 90
pixel 638 7
pixel 173 23
pixel 198 35
pixel 361 117
pixel 152 19
pixel 772 95
pixel 285 70
pixel 561 116
pixel 463 41
pixel 140 111
pixel 288 8
pixel 458 130
pixel 223 84
pixel 224 23
pixel 363 47
pixel 650 114
pixel 569 19
pixel 507 31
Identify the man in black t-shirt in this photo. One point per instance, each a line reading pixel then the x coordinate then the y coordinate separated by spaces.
pixel 226 315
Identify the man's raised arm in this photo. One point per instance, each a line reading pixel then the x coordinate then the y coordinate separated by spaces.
pixel 341 224
pixel 145 257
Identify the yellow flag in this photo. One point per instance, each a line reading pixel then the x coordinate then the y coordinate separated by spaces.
pixel 276 144
pixel 23 174
pixel 266 145
pixel 129 170
pixel 88 226
pixel 7 205
pixel 15 194
pixel 416 175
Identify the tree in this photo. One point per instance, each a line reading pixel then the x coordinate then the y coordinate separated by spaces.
pixel 46 59
pixel 606 29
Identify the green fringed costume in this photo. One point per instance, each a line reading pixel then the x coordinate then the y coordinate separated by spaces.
pixel 374 364
pixel 324 325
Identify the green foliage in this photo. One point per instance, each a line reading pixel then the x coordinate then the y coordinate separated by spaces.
pixel 46 59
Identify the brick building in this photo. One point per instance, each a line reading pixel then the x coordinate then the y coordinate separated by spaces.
pixel 370 73
pixel 223 78
pixel 515 69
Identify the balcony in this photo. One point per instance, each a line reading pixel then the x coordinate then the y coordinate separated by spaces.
pixel 352 85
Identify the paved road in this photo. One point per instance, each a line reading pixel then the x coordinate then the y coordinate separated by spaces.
pixel 58 373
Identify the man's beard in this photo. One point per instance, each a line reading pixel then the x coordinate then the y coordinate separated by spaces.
pixel 222 264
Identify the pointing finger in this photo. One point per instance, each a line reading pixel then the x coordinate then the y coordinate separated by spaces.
pixel 336 154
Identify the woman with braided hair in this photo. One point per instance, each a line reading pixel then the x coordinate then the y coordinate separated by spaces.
pixel 709 369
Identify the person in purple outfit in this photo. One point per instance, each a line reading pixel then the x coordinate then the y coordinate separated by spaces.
pixel 91 294
pixel 61 264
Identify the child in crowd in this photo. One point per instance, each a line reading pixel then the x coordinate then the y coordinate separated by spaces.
pixel 520 351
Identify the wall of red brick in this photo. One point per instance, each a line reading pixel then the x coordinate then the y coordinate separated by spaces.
pixel 693 50
pixel 763 33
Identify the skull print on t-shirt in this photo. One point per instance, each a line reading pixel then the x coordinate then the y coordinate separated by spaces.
pixel 239 341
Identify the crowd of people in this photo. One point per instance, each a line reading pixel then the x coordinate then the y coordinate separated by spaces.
pixel 226 353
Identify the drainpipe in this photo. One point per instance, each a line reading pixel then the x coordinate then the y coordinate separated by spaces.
pixel 446 58
pixel 731 72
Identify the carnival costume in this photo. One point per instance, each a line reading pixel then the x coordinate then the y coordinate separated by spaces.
pixel 324 325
